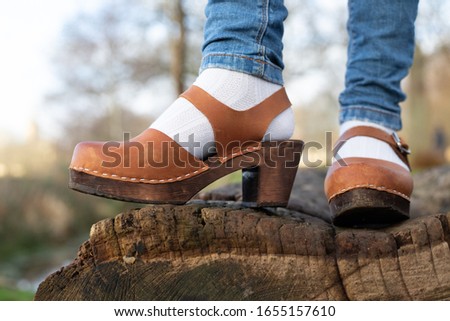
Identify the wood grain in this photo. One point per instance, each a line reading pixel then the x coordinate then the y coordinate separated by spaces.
pixel 221 251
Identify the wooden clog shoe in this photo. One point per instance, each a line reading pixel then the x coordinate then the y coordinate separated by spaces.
pixel 153 168
pixel 367 192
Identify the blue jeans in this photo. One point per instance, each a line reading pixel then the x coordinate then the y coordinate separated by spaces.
pixel 246 36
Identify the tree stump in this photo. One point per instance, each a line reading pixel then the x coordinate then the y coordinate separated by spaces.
pixel 219 250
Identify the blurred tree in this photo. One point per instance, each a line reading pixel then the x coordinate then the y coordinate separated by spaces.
pixel 106 60
pixel 178 15
pixel 416 114
pixel 315 41
pixel 433 25
pixel 427 109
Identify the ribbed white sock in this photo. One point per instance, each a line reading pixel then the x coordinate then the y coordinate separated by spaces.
pixel 368 147
pixel 239 91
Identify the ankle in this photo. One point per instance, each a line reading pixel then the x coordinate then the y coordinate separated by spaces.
pixel 355 123
pixel 368 147
pixel 237 90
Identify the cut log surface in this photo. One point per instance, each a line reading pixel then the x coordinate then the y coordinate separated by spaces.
pixel 219 250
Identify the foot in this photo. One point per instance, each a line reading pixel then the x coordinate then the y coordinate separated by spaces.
pixel 158 166
pixel 369 184
pixel 183 122
pixel 368 147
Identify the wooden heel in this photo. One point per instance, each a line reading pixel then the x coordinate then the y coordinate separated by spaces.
pixel 270 183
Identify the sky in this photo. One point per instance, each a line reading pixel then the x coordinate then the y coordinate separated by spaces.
pixel 28 33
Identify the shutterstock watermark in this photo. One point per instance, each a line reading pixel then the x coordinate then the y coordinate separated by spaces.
pixel 133 153
pixel 330 152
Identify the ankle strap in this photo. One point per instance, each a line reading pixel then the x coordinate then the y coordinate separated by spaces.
pixel 396 143
pixel 233 128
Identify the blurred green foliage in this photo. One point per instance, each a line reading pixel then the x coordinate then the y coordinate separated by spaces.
pixel 15 295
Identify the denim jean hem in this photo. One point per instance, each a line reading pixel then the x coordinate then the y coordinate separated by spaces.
pixel 249 65
pixel 371 114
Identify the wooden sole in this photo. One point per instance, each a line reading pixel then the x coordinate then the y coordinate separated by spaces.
pixel 364 207
pixel 272 169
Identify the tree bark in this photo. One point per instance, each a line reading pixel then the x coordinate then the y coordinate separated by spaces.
pixel 179 47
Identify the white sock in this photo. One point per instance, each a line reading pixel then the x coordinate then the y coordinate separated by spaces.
pixel 237 90
pixel 368 147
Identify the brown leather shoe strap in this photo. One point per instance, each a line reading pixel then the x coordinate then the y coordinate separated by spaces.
pixel 234 128
pixel 397 144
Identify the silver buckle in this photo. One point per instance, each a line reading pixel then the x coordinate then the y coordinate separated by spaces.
pixel 400 146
